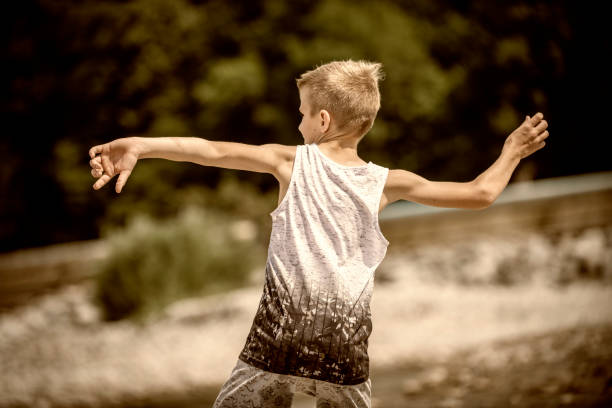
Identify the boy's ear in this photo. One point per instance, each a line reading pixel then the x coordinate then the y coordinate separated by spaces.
pixel 325 120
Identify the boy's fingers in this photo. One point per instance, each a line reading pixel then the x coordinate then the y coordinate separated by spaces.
pixel 107 165
pixel 541 126
pixel 95 150
pixel 537 118
pixel 121 180
pixel 543 136
pixel 96 163
pixel 101 181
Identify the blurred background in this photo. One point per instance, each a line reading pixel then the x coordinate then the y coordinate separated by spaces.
pixel 151 281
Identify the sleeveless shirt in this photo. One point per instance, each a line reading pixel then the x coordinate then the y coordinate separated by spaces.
pixel 313 319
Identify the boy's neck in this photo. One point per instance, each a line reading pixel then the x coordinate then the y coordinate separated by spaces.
pixel 342 149
pixel 341 143
pixel 337 145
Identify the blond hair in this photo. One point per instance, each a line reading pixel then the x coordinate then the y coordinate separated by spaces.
pixel 348 90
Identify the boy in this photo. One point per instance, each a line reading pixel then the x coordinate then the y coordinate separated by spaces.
pixel 310 333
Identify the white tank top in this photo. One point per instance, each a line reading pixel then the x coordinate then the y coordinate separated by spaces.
pixel 314 317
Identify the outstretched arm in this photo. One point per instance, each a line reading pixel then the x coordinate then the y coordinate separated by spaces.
pixel 484 189
pixel 121 155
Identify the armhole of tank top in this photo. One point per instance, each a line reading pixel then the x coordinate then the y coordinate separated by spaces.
pixel 380 191
pixel 283 204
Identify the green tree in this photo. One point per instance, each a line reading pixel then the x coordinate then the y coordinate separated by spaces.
pixel 459 78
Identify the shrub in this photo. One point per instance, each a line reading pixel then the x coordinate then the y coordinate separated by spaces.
pixel 153 263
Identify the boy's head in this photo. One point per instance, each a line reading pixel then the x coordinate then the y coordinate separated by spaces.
pixel 340 98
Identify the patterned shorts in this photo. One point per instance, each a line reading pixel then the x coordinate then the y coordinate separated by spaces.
pixel 251 387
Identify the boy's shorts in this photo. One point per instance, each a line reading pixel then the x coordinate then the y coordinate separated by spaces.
pixel 253 387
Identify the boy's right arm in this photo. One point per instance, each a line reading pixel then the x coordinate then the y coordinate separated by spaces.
pixel 484 189
pixel 120 156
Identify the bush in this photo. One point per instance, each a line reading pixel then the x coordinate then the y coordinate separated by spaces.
pixel 153 263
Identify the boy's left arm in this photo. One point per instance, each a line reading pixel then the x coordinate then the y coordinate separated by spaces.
pixel 484 189
pixel 119 156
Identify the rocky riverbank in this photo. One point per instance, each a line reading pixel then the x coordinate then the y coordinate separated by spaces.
pixel 437 341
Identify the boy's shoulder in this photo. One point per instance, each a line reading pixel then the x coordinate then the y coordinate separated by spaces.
pixel 285 152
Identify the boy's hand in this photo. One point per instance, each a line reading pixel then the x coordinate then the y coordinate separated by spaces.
pixel 109 159
pixel 528 137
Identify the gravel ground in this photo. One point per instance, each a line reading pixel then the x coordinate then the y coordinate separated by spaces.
pixel 56 352
pixel 560 368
